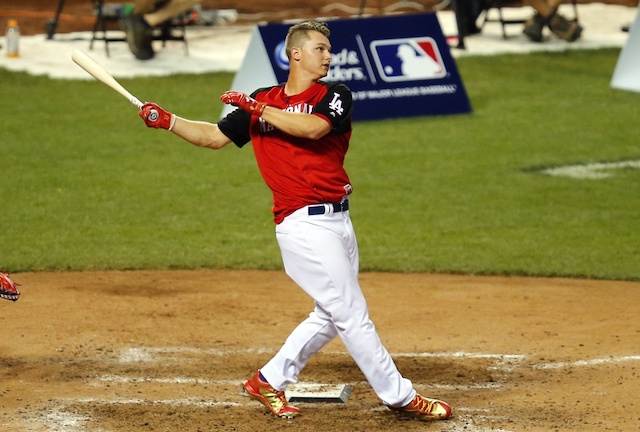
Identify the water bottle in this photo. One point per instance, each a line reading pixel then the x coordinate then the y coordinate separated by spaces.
pixel 13 39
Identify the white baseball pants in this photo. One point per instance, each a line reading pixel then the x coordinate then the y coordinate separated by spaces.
pixel 320 254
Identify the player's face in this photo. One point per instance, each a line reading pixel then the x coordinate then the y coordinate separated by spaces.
pixel 316 54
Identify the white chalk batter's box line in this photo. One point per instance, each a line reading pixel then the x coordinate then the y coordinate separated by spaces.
pixel 144 354
pixel 592 362
pixel 502 362
pixel 151 354
pixel 120 379
pixel 196 402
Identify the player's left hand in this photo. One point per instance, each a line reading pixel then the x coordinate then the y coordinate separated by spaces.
pixel 243 101
pixel 8 288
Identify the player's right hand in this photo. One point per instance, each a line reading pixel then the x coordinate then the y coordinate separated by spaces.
pixel 243 101
pixel 156 117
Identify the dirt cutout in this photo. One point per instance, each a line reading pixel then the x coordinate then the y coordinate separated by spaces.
pixel 168 350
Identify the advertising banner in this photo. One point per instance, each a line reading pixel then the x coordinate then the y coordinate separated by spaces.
pixel 396 66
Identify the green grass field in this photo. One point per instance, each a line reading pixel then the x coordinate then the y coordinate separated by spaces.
pixel 85 185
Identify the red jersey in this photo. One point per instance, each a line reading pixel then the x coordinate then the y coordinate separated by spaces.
pixel 299 171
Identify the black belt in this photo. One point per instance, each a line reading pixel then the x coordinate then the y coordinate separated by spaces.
pixel 321 209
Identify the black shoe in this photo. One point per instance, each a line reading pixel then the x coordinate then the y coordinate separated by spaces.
pixel 139 36
pixel 533 27
pixel 564 29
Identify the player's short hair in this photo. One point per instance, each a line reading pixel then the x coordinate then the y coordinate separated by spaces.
pixel 298 34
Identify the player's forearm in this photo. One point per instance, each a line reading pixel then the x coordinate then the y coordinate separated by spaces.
pixel 297 124
pixel 202 134
pixel 199 133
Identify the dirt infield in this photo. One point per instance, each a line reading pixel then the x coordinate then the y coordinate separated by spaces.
pixel 167 351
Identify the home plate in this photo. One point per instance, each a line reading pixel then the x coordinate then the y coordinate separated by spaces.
pixel 318 393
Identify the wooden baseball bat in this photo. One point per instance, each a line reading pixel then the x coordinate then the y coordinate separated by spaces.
pixel 101 74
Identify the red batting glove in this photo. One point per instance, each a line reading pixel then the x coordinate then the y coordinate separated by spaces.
pixel 156 117
pixel 243 101
pixel 8 288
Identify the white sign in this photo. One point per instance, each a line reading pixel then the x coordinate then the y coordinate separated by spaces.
pixel 627 73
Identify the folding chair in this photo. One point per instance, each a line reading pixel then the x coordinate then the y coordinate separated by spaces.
pixel 105 14
pixel 52 25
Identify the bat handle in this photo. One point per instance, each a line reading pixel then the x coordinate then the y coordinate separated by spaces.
pixel 153 113
pixel 134 100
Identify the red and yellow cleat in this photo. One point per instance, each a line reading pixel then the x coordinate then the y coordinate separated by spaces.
pixel 424 409
pixel 260 390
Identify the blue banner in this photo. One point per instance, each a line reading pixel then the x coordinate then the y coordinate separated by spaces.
pixel 397 66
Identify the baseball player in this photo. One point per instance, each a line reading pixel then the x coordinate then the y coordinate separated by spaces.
pixel 300 133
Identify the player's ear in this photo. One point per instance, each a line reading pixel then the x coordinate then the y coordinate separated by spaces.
pixel 295 53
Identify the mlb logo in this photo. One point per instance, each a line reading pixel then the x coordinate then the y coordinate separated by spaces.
pixel 280 56
pixel 408 59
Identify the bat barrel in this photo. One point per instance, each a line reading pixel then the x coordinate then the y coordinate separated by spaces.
pixel 98 72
